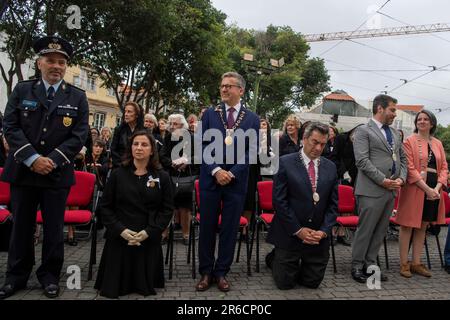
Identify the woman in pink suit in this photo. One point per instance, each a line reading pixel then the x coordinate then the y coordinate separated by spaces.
pixel 420 199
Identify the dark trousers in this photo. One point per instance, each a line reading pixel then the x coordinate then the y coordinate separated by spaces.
pixel 210 202
pixel 304 266
pixel 24 204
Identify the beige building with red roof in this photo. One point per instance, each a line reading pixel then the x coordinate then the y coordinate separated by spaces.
pixel 345 112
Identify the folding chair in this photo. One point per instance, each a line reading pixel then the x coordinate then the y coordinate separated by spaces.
pixel 5 215
pixel 447 222
pixel 5 198
pixel 264 213
pixel 80 196
pixel 346 205
pixel 169 249
pixel 195 221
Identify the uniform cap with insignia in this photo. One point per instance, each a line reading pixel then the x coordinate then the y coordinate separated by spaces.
pixel 49 44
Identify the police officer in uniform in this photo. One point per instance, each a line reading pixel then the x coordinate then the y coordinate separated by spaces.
pixel 46 125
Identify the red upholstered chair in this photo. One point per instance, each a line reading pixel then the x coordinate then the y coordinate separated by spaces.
pixel 80 196
pixel 195 221
pixel 346 217
pixel 5 198
pixel 5 215
pixel 264 212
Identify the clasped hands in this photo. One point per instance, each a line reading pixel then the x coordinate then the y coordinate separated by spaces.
pixel 223 177
pixel 310 236
pixel 43 165
pixel 180 164
pixel 392 184
pixel 433 194
pixel 134 238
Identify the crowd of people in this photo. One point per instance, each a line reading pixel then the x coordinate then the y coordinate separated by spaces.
pixel 145 172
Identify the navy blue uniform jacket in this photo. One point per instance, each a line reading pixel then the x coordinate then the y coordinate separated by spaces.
pixel 58 132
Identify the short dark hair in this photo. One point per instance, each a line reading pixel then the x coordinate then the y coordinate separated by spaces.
pixel 433 121
pixel 316 126
pixel 153 163
pixel 383 101
pixel 99 142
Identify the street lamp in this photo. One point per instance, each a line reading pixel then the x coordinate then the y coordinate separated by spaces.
pixel 260 69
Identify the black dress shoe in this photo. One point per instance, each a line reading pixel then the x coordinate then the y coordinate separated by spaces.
pixel 447 268
pixel 72 242
pixel 51 291
pixel 359 276
pixel 7 291
pixel 343 241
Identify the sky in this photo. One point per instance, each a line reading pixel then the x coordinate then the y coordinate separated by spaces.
pixel 404 58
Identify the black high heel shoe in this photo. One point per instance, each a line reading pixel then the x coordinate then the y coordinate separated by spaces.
pixel 72 242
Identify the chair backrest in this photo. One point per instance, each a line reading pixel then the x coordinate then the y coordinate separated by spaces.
pixel 265 195
pixel 346 199
pixel 197 192
pixel 81 193
pixel 5 195
pixel 447 204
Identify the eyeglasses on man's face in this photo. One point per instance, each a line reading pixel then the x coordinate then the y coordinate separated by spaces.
pixel 228 86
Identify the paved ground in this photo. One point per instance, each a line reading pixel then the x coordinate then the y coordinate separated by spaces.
pixel 260 285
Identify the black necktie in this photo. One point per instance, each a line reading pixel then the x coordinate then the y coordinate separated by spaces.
pixel 391 143
pixel 50 96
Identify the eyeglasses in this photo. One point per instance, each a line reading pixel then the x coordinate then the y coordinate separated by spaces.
pixel 228 86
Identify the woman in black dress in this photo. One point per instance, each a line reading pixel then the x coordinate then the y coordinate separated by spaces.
pixel 136 207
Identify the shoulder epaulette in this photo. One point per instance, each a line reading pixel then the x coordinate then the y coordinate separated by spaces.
pixel 72 86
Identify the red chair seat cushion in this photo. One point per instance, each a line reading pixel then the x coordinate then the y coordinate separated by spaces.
pixel 447 221
pixel 4 214
pixel 267 217
pixel 72 217
pixel 348 221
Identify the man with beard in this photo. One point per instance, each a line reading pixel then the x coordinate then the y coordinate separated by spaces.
pixel 382 171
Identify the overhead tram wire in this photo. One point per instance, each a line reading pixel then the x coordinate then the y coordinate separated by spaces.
pixel 418 77
pixel 394 78
pixel 335 45
pixel 388 53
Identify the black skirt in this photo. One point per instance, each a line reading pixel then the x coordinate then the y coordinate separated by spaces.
pixel 128 269
pixel 430 207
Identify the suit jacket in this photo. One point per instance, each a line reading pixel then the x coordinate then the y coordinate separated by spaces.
pixel 373 157
pixel 293 204
pixel 58 131
pixel 212 119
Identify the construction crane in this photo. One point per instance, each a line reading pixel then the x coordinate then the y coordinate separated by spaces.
pixel 385 32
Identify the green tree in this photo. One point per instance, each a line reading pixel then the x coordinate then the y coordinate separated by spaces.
pixel 443 134
pixel 19 24
pixel 298 83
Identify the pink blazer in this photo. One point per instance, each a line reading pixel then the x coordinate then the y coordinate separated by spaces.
pixel 410 205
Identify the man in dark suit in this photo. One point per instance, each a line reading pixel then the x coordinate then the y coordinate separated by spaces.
pixel 305 199
pixel 224 178
pixel 46 125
